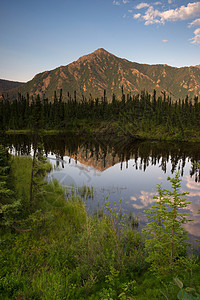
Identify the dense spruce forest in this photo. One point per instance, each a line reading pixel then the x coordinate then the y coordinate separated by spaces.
pixel 144 115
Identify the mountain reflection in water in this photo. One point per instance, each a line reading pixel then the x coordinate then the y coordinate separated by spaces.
pixel 127 171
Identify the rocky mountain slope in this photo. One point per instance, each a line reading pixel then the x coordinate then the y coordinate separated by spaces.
pixel 101 70
pixel 6 85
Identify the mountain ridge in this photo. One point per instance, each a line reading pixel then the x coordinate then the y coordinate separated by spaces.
pixel 100 70
pixel 6 85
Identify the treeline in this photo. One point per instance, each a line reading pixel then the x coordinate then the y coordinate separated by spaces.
pixel 144 153
pixel 139 112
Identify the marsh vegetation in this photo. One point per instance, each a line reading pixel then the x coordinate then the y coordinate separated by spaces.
pixel 52 249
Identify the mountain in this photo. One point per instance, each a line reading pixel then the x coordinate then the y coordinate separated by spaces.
pixel 100 161
pixel 100 70
pixel 6 85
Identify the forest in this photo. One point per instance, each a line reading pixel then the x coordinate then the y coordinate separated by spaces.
pixel 136 116
pixel 51 248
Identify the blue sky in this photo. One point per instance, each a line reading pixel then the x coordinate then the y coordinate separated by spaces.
pixel 41 35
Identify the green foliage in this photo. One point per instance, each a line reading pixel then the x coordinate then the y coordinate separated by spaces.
pixel 10 213
pixel 21 168
pixel 128 290
pixel 86 192
pixel 60 252
pixel 144 116
pixel 167 237
pixel 133 220
pixel 185 293
pixel 107 294
pixel 9 205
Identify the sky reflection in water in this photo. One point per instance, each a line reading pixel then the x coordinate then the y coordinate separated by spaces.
pixel 127 171
pixel 135 187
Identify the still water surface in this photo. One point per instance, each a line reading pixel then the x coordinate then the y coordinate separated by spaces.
pixel 123 171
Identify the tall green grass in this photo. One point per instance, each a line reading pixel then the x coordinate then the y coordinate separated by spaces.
pixel 68 254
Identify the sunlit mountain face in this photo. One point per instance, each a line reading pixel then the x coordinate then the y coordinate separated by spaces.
pixel 91 74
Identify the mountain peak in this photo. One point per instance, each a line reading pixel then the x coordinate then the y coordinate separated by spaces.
pixel 92 56
pixel 101 51
pixel 100 70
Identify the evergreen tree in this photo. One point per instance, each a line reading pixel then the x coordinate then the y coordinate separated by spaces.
pixel 9 207
pixel 167 238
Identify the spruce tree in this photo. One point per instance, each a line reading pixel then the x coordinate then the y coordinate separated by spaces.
pixel 167 239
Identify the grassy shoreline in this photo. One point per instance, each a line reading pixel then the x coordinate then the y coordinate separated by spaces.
pixel 61 252
pixel 157 135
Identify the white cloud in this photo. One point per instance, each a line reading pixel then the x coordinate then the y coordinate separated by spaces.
pixel 195 23
pixel 150 16
pixel 142 5
pixel 145 199
pixel 136 16
pixel 196 38
pixel 116 2
pixel 153 16
pixel 125 1
pixel 130 11
pixel 182 13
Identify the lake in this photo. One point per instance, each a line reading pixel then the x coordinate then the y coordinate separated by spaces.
pixel 117 170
